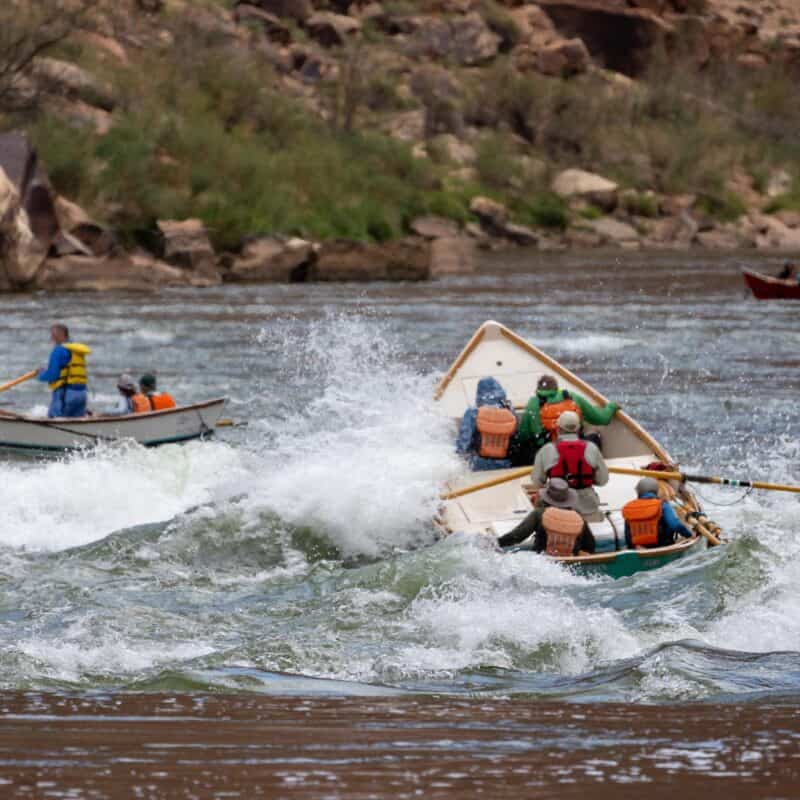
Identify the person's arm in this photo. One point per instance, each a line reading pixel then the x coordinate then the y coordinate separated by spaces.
pixel 59 358
pixel 530 426
pixel 466 432
pixel 673 521
pixel 540 467
pixel 594 415
pixel 522 531
pixel 598 463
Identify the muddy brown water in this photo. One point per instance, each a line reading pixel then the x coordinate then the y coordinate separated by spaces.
pixel 153 746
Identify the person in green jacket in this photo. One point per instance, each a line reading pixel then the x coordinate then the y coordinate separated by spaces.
pixel 543 409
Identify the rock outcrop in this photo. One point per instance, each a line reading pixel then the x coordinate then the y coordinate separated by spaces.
pixel 401 260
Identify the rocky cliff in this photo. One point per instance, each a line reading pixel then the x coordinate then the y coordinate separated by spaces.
pixel 165 142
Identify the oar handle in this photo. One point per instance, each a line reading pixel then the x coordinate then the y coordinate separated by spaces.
pixel 509 476
pixel 686 478
pixel 26 377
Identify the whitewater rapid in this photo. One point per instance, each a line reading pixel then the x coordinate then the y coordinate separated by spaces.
pixel 301 544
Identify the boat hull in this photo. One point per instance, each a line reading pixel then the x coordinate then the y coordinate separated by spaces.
pixel 624 563
pixel 765 287
pixel 151 430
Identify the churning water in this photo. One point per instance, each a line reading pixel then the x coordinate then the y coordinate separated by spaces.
pixel 302 543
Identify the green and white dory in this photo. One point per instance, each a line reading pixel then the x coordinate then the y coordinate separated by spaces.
pixel 491 511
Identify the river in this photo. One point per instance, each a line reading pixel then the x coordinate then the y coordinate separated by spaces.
pixel 294 555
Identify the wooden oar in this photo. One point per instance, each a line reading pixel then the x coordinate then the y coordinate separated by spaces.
pixel 686 478
pixel 26 377
pixel 230 423
pixel 510 476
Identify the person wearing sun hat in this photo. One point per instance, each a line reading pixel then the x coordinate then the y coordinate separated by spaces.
pixel 554 524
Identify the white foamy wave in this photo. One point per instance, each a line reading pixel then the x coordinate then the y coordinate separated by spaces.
pixel 363 461
pixel 85 496
pixel 515 612
pixel 585 343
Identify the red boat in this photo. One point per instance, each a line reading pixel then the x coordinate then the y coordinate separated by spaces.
pixel 765 287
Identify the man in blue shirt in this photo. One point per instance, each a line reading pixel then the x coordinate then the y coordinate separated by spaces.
pixel 650 521
pixel 66 375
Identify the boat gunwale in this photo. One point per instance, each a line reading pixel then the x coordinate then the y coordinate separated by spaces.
pixel 557 367
pixel 645 553
pixel 61 421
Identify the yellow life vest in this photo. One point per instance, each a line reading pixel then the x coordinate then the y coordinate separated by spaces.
pixel 75 371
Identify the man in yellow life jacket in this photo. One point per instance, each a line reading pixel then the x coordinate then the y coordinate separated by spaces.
pixel 66 374
pixel 148 399
pixel 556 527
pixel 650 521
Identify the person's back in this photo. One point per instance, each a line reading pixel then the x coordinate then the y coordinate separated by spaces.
pixel 66 374
pixel 577 461
pixel 649 520
pixel 539 423
pixel 487 428
pixel 557 528
pixel 149 399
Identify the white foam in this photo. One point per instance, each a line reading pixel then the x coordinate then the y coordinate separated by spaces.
pixel 363 462
pixel 84 497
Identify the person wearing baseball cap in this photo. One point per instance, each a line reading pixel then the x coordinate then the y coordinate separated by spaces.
pixel 579 462
pixel 538 424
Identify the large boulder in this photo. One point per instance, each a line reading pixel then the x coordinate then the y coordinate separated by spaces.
pixel 21 253
pixel 577 184
pixel 466 39
pixel 401 260
pixel 122 273
pixel 616 232
pixel 492 215
pixel 772 234
pixel 452 255
pixel 332 30
pixel 185 244
pixel 432 227
pixel 563 58
pixel 73 82
pixel 272 260
pixel 617 36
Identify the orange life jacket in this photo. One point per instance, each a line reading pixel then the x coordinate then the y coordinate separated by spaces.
pixel 495 427
pixel 642 517
pixel 572 465
pixel 141 404
pixel 563 528
pixel 550 412
pixel 161 401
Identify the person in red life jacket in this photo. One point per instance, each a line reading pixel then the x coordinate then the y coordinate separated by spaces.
pixel 650 521
pixel 148 399
pixel 556 527
pixel 579 462
pixel 487 429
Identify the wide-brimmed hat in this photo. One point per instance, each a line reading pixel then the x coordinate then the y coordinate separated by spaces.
pixel 557 493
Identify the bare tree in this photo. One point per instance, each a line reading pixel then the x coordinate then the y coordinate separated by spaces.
pixel 29 29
